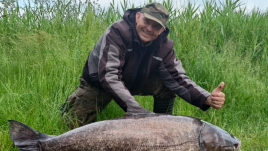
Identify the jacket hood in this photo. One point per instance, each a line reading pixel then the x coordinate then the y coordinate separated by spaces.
pixel 129 17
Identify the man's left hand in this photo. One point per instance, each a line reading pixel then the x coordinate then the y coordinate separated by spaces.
pixel 217 98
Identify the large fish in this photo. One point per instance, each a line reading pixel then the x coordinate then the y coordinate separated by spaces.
pixel 132 132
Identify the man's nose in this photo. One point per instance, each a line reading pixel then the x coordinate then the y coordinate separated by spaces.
pixel 150 27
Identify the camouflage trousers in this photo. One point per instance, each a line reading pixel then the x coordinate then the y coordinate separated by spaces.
pixel 82 106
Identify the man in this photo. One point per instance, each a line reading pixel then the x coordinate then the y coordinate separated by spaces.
pixel 135 57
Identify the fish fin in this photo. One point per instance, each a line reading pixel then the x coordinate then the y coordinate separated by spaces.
pixel 25 137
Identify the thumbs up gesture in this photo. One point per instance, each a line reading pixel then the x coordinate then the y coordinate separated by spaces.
pixel 217 98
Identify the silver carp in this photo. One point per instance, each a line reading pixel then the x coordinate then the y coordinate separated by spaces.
pixel 142 132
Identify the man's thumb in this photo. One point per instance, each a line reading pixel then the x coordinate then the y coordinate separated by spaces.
pixel 219 88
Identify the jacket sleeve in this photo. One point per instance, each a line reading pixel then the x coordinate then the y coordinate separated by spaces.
pixel 109 68
pixel 174 77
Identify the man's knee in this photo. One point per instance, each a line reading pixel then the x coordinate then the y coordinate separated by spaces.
pixel 78 111
pixel 83 105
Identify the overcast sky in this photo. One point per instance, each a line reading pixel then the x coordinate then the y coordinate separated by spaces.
pixel 250 4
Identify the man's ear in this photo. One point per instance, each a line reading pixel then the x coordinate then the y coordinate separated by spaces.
pixel 138 14
pixel 162 29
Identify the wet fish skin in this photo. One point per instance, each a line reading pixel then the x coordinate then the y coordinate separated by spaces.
pixel 131 132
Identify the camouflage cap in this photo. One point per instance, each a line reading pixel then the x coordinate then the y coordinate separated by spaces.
pixel 156 12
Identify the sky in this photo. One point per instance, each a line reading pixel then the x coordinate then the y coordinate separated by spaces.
pixel 249 4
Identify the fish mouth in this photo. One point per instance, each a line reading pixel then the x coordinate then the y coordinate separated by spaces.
pixel 237 145
pixel 231 148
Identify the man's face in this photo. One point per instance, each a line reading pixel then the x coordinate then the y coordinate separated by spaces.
pixel 147 29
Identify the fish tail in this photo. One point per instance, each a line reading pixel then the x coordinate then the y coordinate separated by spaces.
pixel 25 137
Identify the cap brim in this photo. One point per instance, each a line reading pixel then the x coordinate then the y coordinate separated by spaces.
pixel 155 19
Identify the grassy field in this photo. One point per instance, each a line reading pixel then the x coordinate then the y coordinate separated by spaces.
pixel 44 46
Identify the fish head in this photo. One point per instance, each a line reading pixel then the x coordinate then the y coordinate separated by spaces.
pixel 213 138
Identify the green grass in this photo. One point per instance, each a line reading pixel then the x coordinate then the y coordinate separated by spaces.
pixel 43 52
